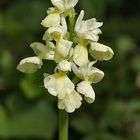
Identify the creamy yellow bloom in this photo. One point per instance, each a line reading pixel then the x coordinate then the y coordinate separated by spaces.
pixel 88 73
pixel 56 32
pixel 70 102
pixel 58 84
pixel 30 65
pixel 87 29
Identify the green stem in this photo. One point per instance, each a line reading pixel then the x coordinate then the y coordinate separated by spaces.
pixel 63 125
pixel 72 23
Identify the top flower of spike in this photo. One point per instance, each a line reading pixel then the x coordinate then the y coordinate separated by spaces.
pixel 70 48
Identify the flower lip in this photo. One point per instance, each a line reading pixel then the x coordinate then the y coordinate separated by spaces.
pixel 58 84
pixel 70 102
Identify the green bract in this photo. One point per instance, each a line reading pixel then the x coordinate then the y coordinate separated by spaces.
pixel 70 48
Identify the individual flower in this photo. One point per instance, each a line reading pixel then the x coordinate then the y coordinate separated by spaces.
pixel 64 5
pixel 70 102
pixel 100 52
pixel 30 65
pixel 87 29
pixel 56 32
pixel 59 84
pixel 89 75
pixel 44 51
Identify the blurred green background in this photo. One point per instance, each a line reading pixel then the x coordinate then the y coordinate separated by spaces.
pixel 28 112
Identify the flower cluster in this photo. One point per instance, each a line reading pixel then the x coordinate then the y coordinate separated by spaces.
pixel 74 49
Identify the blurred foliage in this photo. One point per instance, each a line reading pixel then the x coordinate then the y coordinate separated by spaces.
pixel 27 111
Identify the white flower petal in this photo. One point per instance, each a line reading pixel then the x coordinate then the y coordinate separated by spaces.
pixel 79 21
pixel 43 51
pixel 63 49
pixel 30 65
pixel 89 36
pixel 86 89
pixel 70 102
pixel 38 47
pixel 80 55
pixel 101 52
pixel 58 85
pixel 54 33
pixel 64 5
pixel 59 4
pixel 95 75
pixel 78 71
pixel 70 3
pixel 64 65
pixel 51 20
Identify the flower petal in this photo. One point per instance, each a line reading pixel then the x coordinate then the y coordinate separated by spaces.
pixel 64 65
pixel 30 65
pixel 80 55
pixel 43 51
pixel 58 85
pixel 101 52
pixel 59 4
pixel 38 47
pixel 86 89
pixel 79 21
pixel 70 102
pixel 95 75
pixel 51 20
pixel 78 71
pixel 63 50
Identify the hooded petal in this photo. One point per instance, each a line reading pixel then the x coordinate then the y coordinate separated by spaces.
pixel 95 75
pixel 30 65
pixel 101 52
pixel 58 85
pixel 70 102
pixel 64 65
pixel 86 89
pixel 51 20
pixel 63 50
pixel 80 55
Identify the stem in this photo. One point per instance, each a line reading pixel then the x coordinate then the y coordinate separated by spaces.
pixel 72 23
pixel 63 125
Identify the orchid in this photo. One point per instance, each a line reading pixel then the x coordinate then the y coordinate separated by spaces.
pixel 72 44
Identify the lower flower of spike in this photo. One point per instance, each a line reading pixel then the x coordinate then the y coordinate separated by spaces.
pixel 70 102
pixel 59 84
